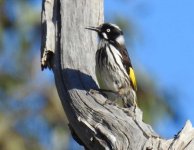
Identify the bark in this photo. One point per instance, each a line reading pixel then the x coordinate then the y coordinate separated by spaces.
pixel 69 50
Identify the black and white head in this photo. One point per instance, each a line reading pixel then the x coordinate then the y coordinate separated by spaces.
pixel 109 32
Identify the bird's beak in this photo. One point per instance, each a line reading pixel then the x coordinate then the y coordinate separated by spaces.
pixel 93 28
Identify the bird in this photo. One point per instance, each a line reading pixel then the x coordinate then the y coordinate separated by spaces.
pixel 115 74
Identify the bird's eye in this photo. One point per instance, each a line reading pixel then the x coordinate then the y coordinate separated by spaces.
pixel 107 30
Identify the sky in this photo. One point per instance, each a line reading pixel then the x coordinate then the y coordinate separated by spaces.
pixel 165 49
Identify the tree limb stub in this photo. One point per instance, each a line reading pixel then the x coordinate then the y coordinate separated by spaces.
pixel 49 32
pixel 94 123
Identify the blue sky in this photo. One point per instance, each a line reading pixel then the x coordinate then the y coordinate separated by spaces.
pixel 164 47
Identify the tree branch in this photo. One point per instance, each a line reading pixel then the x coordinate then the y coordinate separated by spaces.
pixel 94 123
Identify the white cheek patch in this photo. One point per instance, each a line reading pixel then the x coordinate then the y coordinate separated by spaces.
pixel 120 40
pixel 104 35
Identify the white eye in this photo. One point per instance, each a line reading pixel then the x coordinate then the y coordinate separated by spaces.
pixel 107 30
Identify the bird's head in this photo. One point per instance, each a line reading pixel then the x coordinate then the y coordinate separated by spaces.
pixel 109 32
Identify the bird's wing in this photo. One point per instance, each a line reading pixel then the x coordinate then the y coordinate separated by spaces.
pixel 128 66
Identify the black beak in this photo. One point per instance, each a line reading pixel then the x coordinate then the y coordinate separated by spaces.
pixel 93 28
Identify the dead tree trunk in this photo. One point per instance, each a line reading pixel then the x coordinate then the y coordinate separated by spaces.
pixel 69 50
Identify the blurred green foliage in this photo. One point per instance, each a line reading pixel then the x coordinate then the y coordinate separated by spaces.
pixel 31 115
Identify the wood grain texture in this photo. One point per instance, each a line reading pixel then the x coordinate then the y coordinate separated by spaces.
pixel 95 123
pixel 49 33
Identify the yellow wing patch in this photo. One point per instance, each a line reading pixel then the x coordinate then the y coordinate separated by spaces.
pixel 132 78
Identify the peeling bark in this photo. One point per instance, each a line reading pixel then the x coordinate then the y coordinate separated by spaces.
pixel 94 123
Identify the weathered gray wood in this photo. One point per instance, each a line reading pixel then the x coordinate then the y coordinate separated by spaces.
pixel 94 123
pixel 49 32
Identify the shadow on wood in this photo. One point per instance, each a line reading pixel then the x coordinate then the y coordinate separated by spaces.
pixel 79 80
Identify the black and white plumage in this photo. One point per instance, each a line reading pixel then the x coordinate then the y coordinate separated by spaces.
pixel 114 70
